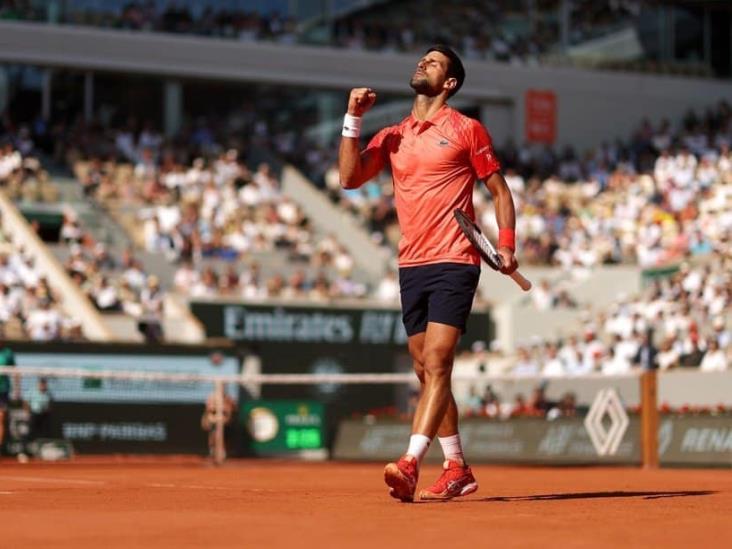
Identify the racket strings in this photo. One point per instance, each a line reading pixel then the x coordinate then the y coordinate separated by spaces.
pixel 474 234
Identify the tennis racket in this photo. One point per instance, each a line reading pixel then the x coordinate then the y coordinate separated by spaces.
pixel 485 248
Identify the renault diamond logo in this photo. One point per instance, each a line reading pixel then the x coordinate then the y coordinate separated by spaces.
pixel 606 440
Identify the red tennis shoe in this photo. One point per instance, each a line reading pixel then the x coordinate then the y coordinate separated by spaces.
pixel 456 480
pixel 401 477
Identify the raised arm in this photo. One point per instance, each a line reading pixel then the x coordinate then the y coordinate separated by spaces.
pixel 506 219
pixel 355 167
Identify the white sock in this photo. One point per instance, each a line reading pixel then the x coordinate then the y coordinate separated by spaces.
pixel 418 445
pixel 452 448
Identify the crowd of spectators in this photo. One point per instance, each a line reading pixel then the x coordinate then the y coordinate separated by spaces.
pixel 499 30
pixel 29 308
pixel 113 284
pixel 679 322
pixel 204 209
pixel 659 198
pixel 152 16
pixel 684 321
pixel 11 162
pixel 224 23
pixel 21 174
pixel 591 19
pixel 479 30
pixel 490 404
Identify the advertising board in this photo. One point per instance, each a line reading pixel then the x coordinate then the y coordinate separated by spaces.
pixel 694 440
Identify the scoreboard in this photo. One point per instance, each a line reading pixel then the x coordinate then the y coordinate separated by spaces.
pixel 282 427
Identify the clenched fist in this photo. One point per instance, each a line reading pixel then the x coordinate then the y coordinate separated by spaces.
pixel 361 100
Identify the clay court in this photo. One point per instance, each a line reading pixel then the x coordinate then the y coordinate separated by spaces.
pixel 186 503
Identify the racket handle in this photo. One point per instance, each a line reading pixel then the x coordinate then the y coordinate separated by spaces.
pixel 519 279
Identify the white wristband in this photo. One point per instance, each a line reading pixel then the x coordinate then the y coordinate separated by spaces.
pixel 351 126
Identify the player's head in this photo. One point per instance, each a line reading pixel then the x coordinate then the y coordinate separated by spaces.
pixel 439 70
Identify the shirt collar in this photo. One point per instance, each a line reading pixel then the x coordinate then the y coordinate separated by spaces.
pixel 436 119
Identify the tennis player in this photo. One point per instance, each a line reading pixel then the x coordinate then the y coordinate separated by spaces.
pixel 436 154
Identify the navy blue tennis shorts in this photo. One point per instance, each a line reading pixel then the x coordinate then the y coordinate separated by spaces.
pixel 440 292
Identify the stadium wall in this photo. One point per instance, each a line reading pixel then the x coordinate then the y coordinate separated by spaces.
pixel 587 111
pixel 703 441
pixel 123 416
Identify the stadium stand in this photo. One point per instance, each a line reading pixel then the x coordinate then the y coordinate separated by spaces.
pixel 21 174
pixel 679 322
pixel 215 213
pixel 29 308
pixel 611 207
pixel 576 210
pixel 112 279
pixel 499 30
pixel 113 284
pixel 200 18
pixel 606 208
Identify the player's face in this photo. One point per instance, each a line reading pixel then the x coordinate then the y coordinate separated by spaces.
pixel 430 78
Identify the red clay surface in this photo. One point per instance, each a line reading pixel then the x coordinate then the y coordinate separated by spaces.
pixel 159 503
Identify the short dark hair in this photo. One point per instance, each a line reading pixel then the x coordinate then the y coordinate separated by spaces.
pixel 455 70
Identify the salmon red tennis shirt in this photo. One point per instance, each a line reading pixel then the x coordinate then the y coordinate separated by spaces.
pixel 434 164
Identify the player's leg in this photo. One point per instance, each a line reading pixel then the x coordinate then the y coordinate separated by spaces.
pixel 401 476
pixel 441 414
pixel 449 424
pixel 450 305
pixel 415 344
pixel 436 366
pixel 447 432
pixel 437 355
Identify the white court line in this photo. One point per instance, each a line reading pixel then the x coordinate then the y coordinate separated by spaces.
pixel 6 493
pixel 192 486
pixel 55 480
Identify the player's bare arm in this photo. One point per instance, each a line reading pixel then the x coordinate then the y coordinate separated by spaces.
pixel 355 167
pixel 505 217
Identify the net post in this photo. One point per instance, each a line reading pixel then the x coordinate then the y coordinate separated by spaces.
pixel 219 443
pixel 649 419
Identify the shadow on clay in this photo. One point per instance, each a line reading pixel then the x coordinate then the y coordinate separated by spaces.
pixel 586 495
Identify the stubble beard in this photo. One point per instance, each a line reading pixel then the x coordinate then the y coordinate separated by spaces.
pixel 421 85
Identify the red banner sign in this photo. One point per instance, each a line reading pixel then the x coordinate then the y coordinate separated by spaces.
pixel 541 116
